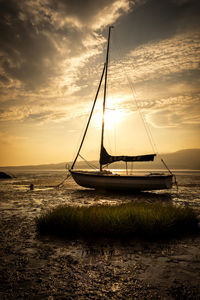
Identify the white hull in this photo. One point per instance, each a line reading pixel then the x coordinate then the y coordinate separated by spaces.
pixel 97 180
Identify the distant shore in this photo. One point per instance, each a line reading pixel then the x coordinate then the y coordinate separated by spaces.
pixel 187 159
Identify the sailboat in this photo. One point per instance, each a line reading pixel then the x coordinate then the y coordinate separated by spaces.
pixel 106 180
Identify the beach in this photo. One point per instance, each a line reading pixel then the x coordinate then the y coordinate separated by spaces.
pixel 46 267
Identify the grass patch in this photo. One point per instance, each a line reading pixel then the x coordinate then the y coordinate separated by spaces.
pixel 144 220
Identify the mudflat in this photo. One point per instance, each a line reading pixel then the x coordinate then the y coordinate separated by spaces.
pixel 45 267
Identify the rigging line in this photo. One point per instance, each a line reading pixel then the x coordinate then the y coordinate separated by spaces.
pixel 109 142
pixel 105 166
pixel 175 181
pixel 149 133
pixel 89 164
pixel 79 140
pixel 105 85
pixel 142 116
pixel 115 134
pixel 166 167
pixel 147 129
pixel 109 133
pixel 145 123
pixel 140 113
pixel 152 141
pixel 109 83
pixel 90 116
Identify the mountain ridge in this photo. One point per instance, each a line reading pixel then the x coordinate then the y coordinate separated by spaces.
pixel 182 159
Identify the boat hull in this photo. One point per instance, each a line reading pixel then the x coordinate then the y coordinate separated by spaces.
pixel 122 182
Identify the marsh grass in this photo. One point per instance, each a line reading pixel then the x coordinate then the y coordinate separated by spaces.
pixel 143 220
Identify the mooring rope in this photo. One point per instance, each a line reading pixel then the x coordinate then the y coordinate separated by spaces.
pixel 61 183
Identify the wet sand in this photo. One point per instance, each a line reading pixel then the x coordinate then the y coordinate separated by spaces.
pixel 34 267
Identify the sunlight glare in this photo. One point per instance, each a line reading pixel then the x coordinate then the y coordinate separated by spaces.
pixel 112 118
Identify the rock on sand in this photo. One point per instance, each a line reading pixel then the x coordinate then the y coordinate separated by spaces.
pixel 3 175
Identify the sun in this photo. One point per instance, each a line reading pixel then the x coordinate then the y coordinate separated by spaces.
pixel 112 118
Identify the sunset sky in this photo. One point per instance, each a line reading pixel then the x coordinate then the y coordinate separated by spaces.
pixel 51 58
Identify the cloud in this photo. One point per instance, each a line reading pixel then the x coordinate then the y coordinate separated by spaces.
pixel 163 75
pixel 24 49
pixel 162 78
pixel 160 59
pixel 51 51
pixel 44 46
pixel 171 60
pixel 38 37
pixel 46 109
pixel 175 112
pixel 91 14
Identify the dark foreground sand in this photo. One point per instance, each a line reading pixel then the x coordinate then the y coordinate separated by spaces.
pixel 33 267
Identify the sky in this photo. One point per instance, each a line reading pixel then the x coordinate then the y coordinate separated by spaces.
pixel 52 53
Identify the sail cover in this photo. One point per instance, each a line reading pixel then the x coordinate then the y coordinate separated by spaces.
pixel 106 158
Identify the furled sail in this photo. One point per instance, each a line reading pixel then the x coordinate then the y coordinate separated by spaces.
pixel 106 158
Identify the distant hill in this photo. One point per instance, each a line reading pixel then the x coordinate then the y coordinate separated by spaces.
pixel 183 159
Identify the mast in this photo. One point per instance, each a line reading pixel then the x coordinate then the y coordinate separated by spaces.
pixel 104 98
